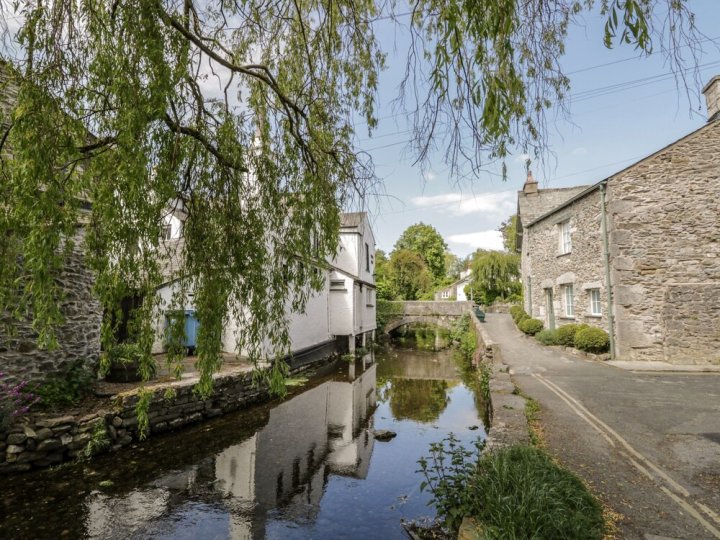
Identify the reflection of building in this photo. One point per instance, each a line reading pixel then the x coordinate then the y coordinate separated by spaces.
pixel 287 463
pixel 284 465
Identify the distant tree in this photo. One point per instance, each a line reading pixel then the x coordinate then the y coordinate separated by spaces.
pixel 425 241
pixel 385 289
pixel 409 276
pixel 453 266
pixel 508 228
pixel 495 274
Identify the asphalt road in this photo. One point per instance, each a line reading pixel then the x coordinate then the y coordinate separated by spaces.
pixel 647 443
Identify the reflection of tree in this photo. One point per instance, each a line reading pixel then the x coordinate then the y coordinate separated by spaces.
pixel 420 400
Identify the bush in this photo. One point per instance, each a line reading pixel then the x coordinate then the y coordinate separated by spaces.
pixel 566 334
pixel 547 337
pixel 67 388
pixel 530 326
pixel 592 339
pixel 515 311
pixel 128 362
pixel 15 400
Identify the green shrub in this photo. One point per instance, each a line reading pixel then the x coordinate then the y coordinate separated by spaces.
pixel 530 326
pixel 566 334
pixel 592 339
pixel 67 388
pixel 515 311
pixel 547 337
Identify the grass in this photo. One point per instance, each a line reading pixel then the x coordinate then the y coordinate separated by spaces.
pixel 532 414
pixel 520 492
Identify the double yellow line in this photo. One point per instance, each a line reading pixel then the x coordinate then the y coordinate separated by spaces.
pixel 667 485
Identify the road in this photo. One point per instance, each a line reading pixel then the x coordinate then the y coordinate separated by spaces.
pixel 647 443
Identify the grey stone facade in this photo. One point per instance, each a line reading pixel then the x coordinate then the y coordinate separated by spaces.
pixel 663 218
pixel 78 336
pixel 547 272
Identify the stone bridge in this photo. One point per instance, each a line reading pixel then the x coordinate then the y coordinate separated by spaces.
pixel 429 312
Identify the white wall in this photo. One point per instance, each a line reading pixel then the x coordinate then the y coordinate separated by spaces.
pixel 341 316
pixel 311 327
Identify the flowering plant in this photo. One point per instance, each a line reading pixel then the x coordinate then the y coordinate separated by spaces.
pixel 14 400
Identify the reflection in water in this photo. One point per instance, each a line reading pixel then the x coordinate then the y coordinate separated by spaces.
pixel 417 399
pixel 307 467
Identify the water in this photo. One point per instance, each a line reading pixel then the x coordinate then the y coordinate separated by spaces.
pixel 306 467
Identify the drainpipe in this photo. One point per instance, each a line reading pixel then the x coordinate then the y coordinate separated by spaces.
pixel 606 261
pixel 529 293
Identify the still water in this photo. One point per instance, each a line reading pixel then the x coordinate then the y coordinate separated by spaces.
pixel 305 467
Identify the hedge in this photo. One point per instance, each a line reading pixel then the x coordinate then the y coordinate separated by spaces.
pixel 530 326
pixel 547 337
pixel 592 339
pixel 566 334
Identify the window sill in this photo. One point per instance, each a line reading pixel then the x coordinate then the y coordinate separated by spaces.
pixel 594 315
pixel 566 318
pixel 369 305
pixel 558 255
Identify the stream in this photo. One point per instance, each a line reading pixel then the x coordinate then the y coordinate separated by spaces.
pixel 304 467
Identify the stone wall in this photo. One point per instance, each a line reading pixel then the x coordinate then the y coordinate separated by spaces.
pixel 665 252
pixel 78 336
pixel 42 441
pixel 545 268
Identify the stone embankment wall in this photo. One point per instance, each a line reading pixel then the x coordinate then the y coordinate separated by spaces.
pixel 78 336
pixel 508 423
pixel 45 441
pixel 665 252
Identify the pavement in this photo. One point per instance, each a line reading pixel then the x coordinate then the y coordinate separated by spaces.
pixel 647 442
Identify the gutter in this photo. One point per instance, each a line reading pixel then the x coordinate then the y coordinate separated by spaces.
pixel 606 262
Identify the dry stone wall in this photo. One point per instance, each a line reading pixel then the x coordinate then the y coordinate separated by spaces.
pixel 665 248
pixel 78 336
pixel 41 441
pixel 545 268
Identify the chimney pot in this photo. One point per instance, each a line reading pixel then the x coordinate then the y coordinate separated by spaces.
pixel 531 185
pixel 712 98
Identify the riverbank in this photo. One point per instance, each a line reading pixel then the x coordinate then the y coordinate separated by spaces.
pixel 116 420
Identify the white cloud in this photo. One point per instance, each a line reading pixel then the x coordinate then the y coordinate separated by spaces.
pixel 479 240
pixel 494 205
pixel 430 176
pixel 522 158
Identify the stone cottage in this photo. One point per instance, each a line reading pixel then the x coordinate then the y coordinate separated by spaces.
pixel 637 254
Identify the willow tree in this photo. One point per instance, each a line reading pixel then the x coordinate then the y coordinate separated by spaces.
pixel 243 113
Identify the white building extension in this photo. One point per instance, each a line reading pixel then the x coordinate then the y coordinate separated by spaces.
pixel 343 311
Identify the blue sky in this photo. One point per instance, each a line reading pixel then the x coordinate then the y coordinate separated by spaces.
pixel 607 131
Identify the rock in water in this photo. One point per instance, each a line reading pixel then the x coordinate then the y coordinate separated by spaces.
pixel 384 434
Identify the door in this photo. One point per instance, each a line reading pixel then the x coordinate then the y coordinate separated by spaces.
pixel 549 309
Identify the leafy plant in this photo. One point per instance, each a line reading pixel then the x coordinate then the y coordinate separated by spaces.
pixel 68 387
pixel 446 471
pixel 99 441
pixel 15 400
pixel 592 339
pixel 530 326
pixel 547 337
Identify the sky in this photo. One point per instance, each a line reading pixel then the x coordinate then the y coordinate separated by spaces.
pixel 610 128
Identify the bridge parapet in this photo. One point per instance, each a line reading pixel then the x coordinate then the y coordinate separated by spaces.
pixel 424 311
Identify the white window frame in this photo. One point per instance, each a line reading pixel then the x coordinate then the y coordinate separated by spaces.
pixel 595 302
pixel 445 294
pixel 569 300
pixel 565 237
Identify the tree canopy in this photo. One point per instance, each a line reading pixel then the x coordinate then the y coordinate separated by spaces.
pixel 508 228
pixel 425 241
pixel 495 274
pixel 243 113
pixel 409 275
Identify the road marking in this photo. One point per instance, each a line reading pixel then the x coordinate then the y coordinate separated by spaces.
pixel 607 432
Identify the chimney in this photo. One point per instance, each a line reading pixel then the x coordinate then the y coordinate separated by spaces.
pixel 531 185
pixel 712 97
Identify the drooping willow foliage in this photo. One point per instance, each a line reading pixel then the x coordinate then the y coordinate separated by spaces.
pixel 241 114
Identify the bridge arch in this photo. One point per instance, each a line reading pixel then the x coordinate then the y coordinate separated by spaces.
pixel 442 322
pixel 441 313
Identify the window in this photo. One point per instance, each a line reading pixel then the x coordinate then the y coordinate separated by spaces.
pixel 569 311
pixel 565 238
pixel 367 257
pixel 369 297
pixel 595 307
pixel 167 232
pixel 337 284
pixel 445 294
